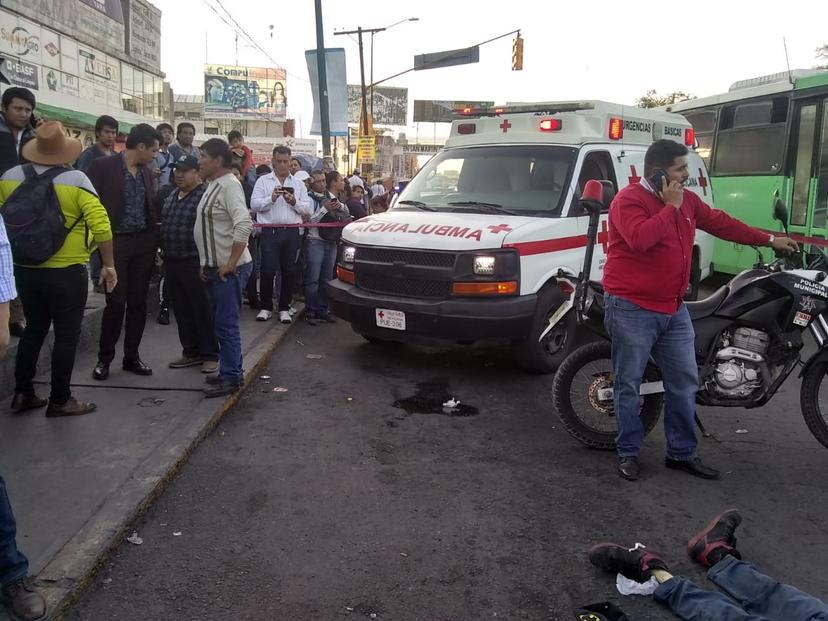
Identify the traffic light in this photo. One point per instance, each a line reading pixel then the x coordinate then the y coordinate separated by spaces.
pixel 517 54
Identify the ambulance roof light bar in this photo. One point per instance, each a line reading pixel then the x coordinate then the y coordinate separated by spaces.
pixel 540 109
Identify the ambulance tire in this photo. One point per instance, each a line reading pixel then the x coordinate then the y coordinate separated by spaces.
pixel 695 279
pixel 546 357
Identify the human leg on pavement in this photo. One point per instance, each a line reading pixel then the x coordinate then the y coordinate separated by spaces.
pixel 225 296
pixel 289 245
pixel 268 253
pixel 193 314
pixel 140 276
pixel 67 304
pixel 690 602
pixel 113 313
pixel 314 258
pixel 35 297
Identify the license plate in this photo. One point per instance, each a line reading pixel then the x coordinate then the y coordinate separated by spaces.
pixel 394 320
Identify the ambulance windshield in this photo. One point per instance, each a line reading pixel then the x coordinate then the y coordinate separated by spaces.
pixel 525 179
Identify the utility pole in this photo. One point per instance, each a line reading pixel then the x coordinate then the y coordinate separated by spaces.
pixel 322 72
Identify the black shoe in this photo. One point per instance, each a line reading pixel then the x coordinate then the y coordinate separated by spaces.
pixel 213 380
pixel 717 540
pixel 628 468
pixel 21 403
pixel 692 466
pixel 137 366
pixel 101 371
pixel 327 318
pixel 164 316
pixel 310 320
pixel 636 564
pixel 17 328
pixel 221 389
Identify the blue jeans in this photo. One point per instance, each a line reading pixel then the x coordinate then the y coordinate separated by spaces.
pixel 758 597
pixel 13 564
pixel 637 333
pixel 280 252
pixel 321 260
pixel 226 300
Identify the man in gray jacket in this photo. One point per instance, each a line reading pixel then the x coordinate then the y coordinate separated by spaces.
pixel 221 231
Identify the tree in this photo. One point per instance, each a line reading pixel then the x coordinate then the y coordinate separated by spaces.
pixel 651 99
pixel 822 54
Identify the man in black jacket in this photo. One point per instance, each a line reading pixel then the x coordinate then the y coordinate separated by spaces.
pixel 16 129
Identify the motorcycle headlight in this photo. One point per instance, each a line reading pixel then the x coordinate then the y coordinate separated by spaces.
pixel 484 265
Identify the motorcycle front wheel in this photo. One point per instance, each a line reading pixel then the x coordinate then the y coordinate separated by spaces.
pixel 583 403
pixel 815 406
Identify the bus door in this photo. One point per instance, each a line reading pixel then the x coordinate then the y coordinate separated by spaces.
pixel 809 183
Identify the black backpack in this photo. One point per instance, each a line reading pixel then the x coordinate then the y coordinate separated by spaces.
pixel 35 223
pixel 333 233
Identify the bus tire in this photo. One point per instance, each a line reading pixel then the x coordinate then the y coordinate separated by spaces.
pixel 695 278
pixel 536 357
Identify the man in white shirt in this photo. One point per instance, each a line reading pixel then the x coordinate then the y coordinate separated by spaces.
pixel 280 202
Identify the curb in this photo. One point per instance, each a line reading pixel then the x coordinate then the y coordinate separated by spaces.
pixel 74 567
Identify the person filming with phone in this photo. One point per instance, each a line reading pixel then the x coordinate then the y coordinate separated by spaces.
pixel 280 201
pixel 652 227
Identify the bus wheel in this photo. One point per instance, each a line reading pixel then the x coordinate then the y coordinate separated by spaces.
pixel 547 355
pixel 695 279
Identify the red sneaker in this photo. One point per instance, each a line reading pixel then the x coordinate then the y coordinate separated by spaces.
pixel 717 539
pixel 636 563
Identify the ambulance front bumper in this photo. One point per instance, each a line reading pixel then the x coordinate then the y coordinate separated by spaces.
pixel 460 319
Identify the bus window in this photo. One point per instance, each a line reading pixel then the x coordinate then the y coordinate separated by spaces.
pixel 821 206
pixel 802 165
pixel 751 138
pixel 704 123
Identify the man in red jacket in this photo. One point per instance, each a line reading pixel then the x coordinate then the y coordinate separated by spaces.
pixel 651 233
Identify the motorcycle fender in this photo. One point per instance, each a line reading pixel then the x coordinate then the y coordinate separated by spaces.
pixel 557 316
pixel 820 356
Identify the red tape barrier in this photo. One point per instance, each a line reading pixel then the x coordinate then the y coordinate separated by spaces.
pixel 304 225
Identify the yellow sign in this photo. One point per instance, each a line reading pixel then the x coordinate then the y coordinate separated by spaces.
pixel 365 149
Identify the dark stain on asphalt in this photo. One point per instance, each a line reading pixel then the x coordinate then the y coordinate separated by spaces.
pixel 430 398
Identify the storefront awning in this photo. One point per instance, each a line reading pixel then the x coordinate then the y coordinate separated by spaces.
pixel 72 118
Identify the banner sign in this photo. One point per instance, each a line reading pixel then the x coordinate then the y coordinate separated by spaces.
pixel 145 34
pixel 390 105
pixel 337 91
pixel 232 92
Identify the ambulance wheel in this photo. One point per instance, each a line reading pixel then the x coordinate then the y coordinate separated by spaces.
pixel 695 279
pixel 547 355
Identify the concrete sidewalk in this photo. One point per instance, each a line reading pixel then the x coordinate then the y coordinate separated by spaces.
pixel 76 485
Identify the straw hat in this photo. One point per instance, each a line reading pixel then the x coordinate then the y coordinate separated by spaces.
pixel 51 147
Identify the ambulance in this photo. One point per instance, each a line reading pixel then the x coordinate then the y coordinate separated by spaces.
pixel 473 247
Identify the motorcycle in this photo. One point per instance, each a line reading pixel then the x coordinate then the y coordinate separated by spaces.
pixel 748 341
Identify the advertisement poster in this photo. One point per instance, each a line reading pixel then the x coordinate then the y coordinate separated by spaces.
pixel 232 92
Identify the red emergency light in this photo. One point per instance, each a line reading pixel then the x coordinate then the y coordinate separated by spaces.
pixel 616 128
pixel 550 125
pixel 466 128
pixel 690 137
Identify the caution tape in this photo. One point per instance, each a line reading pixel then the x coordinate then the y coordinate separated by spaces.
pixel 303 225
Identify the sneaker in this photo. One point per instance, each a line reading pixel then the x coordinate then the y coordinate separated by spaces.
pixel 210 366
pixel 285 317
pixel 634 563
pixel 264 315
pixel 716 540
pixel 186 361
pixel 292 311
pixel 24 603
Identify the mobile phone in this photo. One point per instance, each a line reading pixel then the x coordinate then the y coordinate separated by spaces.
pixel 657 181
pixel 288 190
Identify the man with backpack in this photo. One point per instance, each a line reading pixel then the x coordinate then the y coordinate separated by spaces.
pixel 322 242
pixel 50 213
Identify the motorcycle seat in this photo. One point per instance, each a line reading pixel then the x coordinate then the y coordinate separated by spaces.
pixel 707 306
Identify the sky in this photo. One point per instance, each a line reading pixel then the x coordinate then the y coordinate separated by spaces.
pixel 600 49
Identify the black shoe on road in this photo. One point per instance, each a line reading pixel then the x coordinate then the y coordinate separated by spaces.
pixel 221 388
pixel 716 540
pixel 137 366
pixel 692 466
pixel 636 563
pixel 326 318
pixel 101 371
pixel 628 468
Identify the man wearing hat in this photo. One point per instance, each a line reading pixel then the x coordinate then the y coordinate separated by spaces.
pixel 188 295
pixel 55 291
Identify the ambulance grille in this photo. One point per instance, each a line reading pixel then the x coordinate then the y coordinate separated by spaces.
pixel 406 287
pixel 407 257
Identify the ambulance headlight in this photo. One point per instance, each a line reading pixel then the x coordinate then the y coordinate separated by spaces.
pixel 484 265
pixel 348 254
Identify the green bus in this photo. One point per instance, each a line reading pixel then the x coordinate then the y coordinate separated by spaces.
pixel 766 137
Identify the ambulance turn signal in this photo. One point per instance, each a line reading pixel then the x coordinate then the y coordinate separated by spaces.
pixel 616 128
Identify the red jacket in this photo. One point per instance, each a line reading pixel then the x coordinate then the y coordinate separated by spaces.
pixel 651 245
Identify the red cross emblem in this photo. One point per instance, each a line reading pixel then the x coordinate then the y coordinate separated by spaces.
pixel 633 178
pixel 603 236
pixel 500 228
pixel 381 315
pixel 505 125
pixel 702 181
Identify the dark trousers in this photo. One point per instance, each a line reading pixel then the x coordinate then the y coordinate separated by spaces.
pixel 279 250
pixel 134 263
pixel 252 290
pixel 50 296
pixel 13 564
pixel 191 306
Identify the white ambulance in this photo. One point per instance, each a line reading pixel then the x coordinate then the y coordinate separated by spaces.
pixel 473 246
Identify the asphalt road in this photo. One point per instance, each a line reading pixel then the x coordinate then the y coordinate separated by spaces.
pixel 328 502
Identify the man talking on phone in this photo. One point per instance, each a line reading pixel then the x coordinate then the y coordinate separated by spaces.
pixel 652 226
pixel 280 202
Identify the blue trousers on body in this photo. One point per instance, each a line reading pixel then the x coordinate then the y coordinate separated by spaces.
pixel 226 301
pixel 756 597
pixel 320 264
pixel 14 566
pixel 637 333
